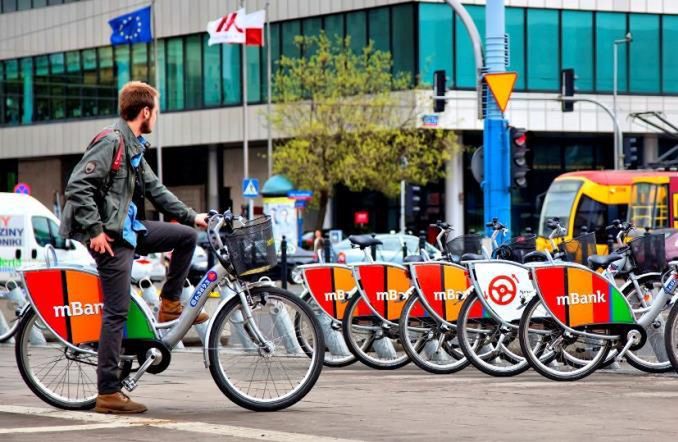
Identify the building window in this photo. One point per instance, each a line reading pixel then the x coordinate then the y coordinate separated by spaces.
pixel 162 74
pixel 253 74
pixel 231 69
pixel 610 26
pixel 8 5
pixel 577 50
pixel 644 61
pixel 290 29
pixel 515 28
pixel 403 40
pixel 669 59
pixel 311 28
pixel 175 73
pixel 435 41
pixel 13 93
pixel 356 29
pixel 122 65
pixel 463 51
pixel 212 70
pixel 193 72
pixel 57 91
pixel 90 82
pixel 73 80
pixel 334 26
pixel 543 68
pixel 379 27
pixel 140 62
pixel 107 96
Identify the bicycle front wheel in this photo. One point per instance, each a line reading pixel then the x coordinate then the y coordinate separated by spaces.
pixel 274 372
pixel 59 375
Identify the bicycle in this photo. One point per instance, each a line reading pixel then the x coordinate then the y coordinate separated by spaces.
pixel 428 329
pixel 251 347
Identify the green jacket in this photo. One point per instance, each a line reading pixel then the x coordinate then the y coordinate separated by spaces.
pixel 90 209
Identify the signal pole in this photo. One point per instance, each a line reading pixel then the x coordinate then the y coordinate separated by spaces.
pixel 497 161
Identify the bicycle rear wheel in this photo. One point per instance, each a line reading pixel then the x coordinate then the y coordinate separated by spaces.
pixel 554 352
pixel 10 305
pixel 269 375
pixel 374 342
pixel 431 345
pixel 59 375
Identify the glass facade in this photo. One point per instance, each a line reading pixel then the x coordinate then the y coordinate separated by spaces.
pixel 422 37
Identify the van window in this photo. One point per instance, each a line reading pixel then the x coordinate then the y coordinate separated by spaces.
pixel 46 232
pixel 41 231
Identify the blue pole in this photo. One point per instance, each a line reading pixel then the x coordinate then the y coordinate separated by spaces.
pixel 497 166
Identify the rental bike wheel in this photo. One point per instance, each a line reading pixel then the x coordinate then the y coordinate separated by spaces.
pixel 337 353
pixel 553 351
pixel 374 342
pixel 274 373
pixel 59 375
pixel 432 345
pixel 490 348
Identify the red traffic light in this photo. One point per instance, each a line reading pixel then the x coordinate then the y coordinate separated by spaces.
pixel 520 139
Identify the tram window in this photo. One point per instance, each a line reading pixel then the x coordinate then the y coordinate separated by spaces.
pixel 593 215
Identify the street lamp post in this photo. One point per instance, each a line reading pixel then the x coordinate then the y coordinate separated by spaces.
pixel 618 163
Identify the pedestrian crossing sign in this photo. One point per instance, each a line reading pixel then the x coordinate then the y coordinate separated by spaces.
pixel 250 188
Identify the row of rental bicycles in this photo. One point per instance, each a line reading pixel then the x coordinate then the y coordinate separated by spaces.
pixel 565 312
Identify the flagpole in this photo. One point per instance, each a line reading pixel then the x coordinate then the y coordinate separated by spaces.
pixel 157 85
pixel 250 208
pixel 269 155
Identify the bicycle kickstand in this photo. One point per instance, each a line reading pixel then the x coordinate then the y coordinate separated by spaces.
pixel 153 356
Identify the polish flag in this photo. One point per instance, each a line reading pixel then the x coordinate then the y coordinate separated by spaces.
pixel 238 28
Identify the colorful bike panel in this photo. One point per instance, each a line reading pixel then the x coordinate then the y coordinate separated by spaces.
pixel 505 286
pixel 331 286
pixel 70 303
pixel 385 287
pixel 577 296
pixel 442 286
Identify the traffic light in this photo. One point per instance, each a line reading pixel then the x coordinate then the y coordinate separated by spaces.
pixel 567 89
pixel 439 79
pixel 631 148
pixel 413 201
pixel 519 150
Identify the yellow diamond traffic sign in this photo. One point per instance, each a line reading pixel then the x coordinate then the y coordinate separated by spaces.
pixel 501 85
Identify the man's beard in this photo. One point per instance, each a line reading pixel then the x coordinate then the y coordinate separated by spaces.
pixel 146 127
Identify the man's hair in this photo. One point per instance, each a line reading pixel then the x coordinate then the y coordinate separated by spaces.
pixel 133 97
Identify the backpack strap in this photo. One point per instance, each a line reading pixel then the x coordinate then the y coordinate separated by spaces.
pixel 117 157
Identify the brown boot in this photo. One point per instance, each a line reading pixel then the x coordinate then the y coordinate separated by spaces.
pixel 171 310
pixel 117 403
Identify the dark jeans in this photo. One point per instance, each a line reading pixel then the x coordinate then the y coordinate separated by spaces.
pixel 116 272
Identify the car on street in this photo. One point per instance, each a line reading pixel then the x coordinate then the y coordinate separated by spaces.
pixel 391 249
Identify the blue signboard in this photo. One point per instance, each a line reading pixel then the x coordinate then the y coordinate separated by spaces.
pixel 250 188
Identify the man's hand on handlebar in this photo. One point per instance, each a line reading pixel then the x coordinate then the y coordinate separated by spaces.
pixel 201 220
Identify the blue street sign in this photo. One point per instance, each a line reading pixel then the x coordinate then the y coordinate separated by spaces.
pixel 300 194
pixel 300 204
pixel 250 188
pixel 22 188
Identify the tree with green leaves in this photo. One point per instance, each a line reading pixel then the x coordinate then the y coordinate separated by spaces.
pixel 345 118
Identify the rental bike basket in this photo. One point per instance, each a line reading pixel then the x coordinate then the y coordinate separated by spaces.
pixel 251 246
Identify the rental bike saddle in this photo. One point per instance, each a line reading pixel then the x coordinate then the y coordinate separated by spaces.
pixel 364 241
pixel 602 261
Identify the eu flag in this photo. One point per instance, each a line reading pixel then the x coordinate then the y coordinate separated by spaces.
pixel 133 27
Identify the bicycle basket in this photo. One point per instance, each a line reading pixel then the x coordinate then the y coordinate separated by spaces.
pixel 580 248
pixel 521 246
pixel 251 247
pixel 649 253
pixel 464 244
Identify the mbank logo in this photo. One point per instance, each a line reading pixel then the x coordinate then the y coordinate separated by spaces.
pixel 78 309
pixel 391 295
pixel 339 295
pixel 576 298
pixel 448 295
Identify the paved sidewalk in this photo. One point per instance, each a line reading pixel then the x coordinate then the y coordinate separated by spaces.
pixel 358 403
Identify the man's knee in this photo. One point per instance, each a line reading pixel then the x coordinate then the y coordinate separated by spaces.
pixel 189 237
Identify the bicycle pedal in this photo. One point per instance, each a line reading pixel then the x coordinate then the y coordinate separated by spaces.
pixel 129 384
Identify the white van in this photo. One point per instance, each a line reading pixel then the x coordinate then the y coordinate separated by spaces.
pixel 26 227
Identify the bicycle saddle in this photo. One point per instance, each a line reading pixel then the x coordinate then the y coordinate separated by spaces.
pixel 412 258
pixel 535 256
pixel 364 241
pixel 602 261
pixel 471 257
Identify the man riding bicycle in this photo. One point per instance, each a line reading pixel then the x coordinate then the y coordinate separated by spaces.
pixel 105 209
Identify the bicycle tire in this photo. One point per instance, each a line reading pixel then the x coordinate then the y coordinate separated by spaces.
pixel 470 351
pixel 221 378
pixel 671 338
pixel 23 334
pixel 544 368
pixel 327 362
pixel 415 351
pixel 359 351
